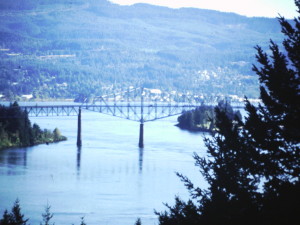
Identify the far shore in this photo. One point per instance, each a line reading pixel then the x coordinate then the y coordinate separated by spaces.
pixel 39 100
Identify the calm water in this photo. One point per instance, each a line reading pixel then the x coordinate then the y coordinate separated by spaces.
pixel 109 180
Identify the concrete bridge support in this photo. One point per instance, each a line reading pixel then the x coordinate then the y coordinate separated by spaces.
pixel 79 142
pixel 141 139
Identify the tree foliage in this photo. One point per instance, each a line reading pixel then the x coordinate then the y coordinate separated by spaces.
pixel 203 118
pixel 138 221
pixel 253 166
pixel 47 216
pixel 82 221
pixel 16 129
pixel 15 217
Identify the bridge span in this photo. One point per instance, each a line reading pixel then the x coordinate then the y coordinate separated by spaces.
pixel 136 104
pixel 135 111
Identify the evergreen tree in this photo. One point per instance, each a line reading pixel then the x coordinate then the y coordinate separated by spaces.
pixel 16 129
pixel 203 117
pixel 15 217
pixel 253 167
pixel 56 134
pixel 37 132
pixel 138 222
pixel 82 221
pixel 47 216
pixel 6 218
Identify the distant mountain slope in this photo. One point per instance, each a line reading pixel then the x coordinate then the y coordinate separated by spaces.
pixel 81 48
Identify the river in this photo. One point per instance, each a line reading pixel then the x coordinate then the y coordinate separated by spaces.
pixel 109 180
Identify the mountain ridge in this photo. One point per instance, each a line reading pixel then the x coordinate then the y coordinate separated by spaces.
pixel 183 49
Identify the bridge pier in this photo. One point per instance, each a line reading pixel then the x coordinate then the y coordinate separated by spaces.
pixel 79 142
pixel 141 139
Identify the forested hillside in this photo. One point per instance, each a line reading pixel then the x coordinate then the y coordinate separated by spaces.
pixel 63 49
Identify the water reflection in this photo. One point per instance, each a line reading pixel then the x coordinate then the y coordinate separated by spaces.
pixel 25 157
pixel 12 160
pixel 78 160
pixel 112 178
pixel 114 169
pixel 141 154
pixel 14 157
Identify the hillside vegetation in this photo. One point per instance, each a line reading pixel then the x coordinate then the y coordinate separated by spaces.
pixel 16 129
pixel 66 49
pixel 204 118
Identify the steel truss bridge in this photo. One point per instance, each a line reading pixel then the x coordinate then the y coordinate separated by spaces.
pixel 134 104
pixel 132 111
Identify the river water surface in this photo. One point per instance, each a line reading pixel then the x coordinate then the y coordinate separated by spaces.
pixel 109 180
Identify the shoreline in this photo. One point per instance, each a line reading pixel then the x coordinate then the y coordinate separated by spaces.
pixel 39 100
pixel 193 130
pixel 63 138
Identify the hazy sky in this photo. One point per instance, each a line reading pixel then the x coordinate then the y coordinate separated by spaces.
pixel 266 8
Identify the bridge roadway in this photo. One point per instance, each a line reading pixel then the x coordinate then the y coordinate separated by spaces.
pixel 132 111
pixel 135 111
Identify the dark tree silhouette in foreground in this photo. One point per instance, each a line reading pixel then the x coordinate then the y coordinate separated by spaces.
pixel 15 217
pixel 138 221
pixel 253 166
pixel 47 216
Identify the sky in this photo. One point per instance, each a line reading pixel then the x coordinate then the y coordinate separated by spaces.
pixel 264 8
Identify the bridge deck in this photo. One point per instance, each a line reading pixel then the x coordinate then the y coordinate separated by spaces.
pixel 132 111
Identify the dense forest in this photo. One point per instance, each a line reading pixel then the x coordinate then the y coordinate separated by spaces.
pixel 58 49
pixel 203 118
pixel 16 129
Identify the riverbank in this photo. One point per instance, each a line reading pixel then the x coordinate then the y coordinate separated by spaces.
pixel 16 129
pixel 193 129
pixel 9 145
pixel 203 118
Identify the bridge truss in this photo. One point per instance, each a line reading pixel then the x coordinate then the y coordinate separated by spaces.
pixel 138 104
pixel 141 113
